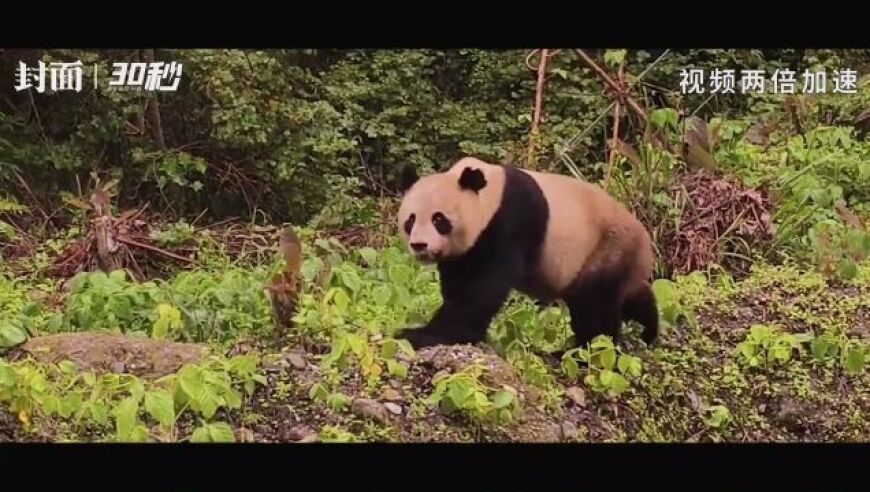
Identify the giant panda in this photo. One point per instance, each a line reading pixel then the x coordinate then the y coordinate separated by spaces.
pixel 491 229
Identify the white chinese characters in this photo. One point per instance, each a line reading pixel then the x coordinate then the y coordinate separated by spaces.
pixel 781 81
pixel 61 76
pixel 155 76
pixel 67 76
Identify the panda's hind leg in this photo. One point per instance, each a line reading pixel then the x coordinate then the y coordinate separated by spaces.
pixel 594 309
pixel 640 305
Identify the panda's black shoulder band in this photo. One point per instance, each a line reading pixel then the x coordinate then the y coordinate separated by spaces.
pixel 472 179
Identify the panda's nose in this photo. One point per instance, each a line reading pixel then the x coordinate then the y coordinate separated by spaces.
pixel 417 247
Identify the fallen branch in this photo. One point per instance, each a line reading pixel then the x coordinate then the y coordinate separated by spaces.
pixel 155 249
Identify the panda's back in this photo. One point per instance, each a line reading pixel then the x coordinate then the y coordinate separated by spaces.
pixel 584 223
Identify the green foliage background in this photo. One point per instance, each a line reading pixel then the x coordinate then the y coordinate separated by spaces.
pixel 286 131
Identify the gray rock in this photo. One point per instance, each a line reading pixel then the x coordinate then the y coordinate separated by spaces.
pixel 301 433
pixel 297 361
pixel 568 430
pixel 393 408
pixel 370 409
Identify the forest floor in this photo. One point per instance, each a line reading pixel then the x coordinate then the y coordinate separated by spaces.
pixel 777 356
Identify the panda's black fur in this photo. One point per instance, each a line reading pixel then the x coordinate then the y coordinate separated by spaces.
pixel 475 285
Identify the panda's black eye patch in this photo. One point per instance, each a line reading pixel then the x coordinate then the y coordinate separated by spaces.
pixel 409 223
pixel 441 223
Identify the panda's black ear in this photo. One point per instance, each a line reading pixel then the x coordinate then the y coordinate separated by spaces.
pixel 409 177
pixel 472 179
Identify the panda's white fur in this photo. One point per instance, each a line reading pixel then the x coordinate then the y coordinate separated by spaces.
pixel 587 247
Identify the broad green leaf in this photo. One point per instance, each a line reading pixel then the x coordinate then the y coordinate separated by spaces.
pixel 99 412
pixel 405 346
pixel 459 392
pixel 221 432
pixel 855 359
pixel 243 364
pixel 629 365
pixel 311 268
pixel 318 392
pixel 618 383
pixel 11 335
pixel 137 389
pixel 233 399
pixel 200 435
pixel 341 300
pixel 397 369
pixel 608 359
pixel 502 399
pixel 665 117
pixel 606 377
pixel 118 276
pixel 819 348
pixel 66 367
pixel 570 367
pixel 338 401
pixel 351 280
pixel 389 349
pixel 160 406
pixel 399 274
pixel 613 58
pixel 369 255
pixel 125 418
pixel 382 294
pixel 847 269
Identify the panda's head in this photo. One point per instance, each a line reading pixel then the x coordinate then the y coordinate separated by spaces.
pixel 442 215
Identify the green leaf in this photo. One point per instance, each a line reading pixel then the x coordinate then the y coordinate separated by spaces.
pixel 369 255
pixel 399 274
pixel 719 416
pixel 137 389
pixel 606 377
pixel 819 348
pixel 221 432
pixel 351 280
pixel 847 269
pixel 618 384
pixel 200 435
pixel 570 367
pixel 397 369
pixel 125 418
pixel 318 392
pixel 629 365
pixel 160 406
pixel 855 359
pixel 11 335
pixel 502 399
pixel 338 401
pixel 406 347
pixel 311 268
pixel 66 367
pixel 341 300
pixel 99 412
pixel 613 58
pixel 389 349
pixel 459 392
pixel 118 276
pixel 665 117
pixel 608 359
pixel 382 294
pixel 190 382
